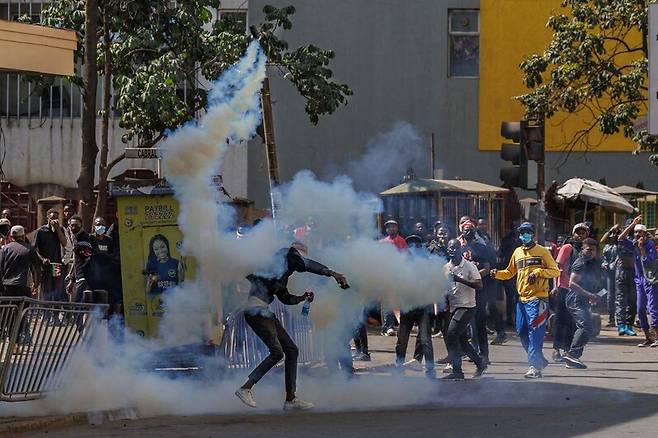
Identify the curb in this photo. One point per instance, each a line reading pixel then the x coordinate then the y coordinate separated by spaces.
pixel 42 424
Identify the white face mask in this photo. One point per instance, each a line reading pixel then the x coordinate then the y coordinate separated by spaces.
pixel 100 229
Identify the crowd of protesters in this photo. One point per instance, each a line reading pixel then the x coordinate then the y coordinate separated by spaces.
pixel 564 281
pixel 60 261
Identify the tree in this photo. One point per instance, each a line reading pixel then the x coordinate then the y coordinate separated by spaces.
pixel 596 63
pixel 157 54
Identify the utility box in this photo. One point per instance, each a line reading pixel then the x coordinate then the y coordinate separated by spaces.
pixel 151 259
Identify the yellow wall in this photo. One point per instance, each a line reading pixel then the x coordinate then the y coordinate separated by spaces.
pixel 511 30
pixel 36 49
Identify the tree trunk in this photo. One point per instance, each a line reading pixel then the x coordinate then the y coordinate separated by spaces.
pixel 89 147
pixel 103 171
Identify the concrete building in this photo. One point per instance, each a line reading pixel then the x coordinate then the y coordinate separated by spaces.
pixel 448 67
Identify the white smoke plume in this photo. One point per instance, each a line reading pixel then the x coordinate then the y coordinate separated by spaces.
pixel 341 236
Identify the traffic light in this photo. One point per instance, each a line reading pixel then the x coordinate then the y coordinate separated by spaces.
pixel 525 151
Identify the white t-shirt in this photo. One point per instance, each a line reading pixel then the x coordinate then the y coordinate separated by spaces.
pixel 459 294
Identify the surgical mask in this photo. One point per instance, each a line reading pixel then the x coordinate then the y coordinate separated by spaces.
pixel 526 238
pixel 100 229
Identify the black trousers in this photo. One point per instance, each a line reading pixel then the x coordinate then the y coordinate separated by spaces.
pixel 457 339
pixel 625 296
pixel 563 323
pixel 420 316
pixel 268 328
pixel 511 296
pixel 491 294
pixel 581 312
pixel 480 338
pixel 440 323
pixel 17 291
pixel 361 335
pixel 610 285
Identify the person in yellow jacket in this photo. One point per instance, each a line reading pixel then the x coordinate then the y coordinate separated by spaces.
pixel 533 266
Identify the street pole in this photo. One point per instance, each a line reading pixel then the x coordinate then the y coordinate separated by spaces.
pixel 541 189
pixel 432 157
pixel 270 145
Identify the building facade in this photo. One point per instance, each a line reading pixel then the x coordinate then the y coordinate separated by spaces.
pixel 448 67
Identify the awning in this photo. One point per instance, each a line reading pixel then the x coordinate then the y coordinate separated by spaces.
pixel 592 192
pixel 633 191
pixel 443 185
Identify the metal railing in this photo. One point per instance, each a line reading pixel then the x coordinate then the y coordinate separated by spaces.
pixel 243 349
pixel 37 339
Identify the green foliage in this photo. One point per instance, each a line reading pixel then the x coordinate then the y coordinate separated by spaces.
pixel 157 48
pixel 596 63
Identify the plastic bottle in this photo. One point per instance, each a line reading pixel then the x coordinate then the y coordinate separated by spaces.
pixel 306 308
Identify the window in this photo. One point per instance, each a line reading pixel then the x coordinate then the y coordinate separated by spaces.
pixel 464 43
pixel 237 19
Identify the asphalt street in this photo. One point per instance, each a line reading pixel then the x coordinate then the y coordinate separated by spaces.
pixel 616 396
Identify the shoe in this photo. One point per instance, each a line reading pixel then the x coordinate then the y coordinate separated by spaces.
pixel 573 362
pixel 389 332
pixel 654 345
pixel 453 376
pixel 362 357
pixel 611 323
pixel 533 373
pixel 500 339
pixel 628 331
pixel 489 331
pixel 413 365
pixel 557 357
pixel 479 371
pixel 621 330
pixel 646 343
pixel 297 404
pixel 443 360
pixel 447 369
pixel 246 396
pixel 437 335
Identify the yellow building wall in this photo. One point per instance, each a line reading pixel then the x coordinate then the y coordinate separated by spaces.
pixel 510 30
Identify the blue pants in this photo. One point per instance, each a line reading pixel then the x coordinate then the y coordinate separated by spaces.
pixel 531 320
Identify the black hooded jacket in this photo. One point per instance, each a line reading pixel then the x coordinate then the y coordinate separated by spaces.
pixel 266 288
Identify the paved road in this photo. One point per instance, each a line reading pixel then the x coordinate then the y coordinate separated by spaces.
pixel 616 396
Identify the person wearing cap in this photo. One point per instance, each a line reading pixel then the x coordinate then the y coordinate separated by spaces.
pixel 392 237
pixel 646 281
pixel 421 316
pixel 533 266
pixel 5 227
pixel 564 326
pixel 17 259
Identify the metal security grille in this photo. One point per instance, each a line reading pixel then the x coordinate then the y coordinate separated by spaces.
pixel 243 349
pixel 37 340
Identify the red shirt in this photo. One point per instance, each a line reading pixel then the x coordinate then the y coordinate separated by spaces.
pixel 397 241
pixel 562 260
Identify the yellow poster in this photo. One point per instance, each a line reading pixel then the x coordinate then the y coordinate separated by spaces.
pixel 151 262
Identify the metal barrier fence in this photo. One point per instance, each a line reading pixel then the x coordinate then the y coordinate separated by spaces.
pixel 243 349
pixel 37 339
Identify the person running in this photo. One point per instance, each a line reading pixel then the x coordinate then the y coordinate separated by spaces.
pixel 585 280
pixel 533 266
pixel 466 279
pixel 269 329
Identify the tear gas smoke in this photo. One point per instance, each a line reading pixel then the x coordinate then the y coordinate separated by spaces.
pixel 109 375
pixel 387 158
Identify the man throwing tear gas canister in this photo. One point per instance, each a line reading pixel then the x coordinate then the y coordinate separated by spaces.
pixel 268 328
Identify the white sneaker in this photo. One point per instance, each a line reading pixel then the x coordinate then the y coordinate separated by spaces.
pixel 414 365
pixel 389 332
pixel 297 405
pixel 246 396
pixel 533 373
pixel 447 369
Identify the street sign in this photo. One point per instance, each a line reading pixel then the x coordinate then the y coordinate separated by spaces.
pixel 653 68
pixel 143 153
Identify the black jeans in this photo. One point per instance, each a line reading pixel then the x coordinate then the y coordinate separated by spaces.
pixel 420 316
pixel 491 293
pixel 274 336
pixel 563 324
pixel 581 312
pixel 457 340
pixel 361 335
pixel 480 338
pixel 511 296
pixel 625 296
pixel 610 285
